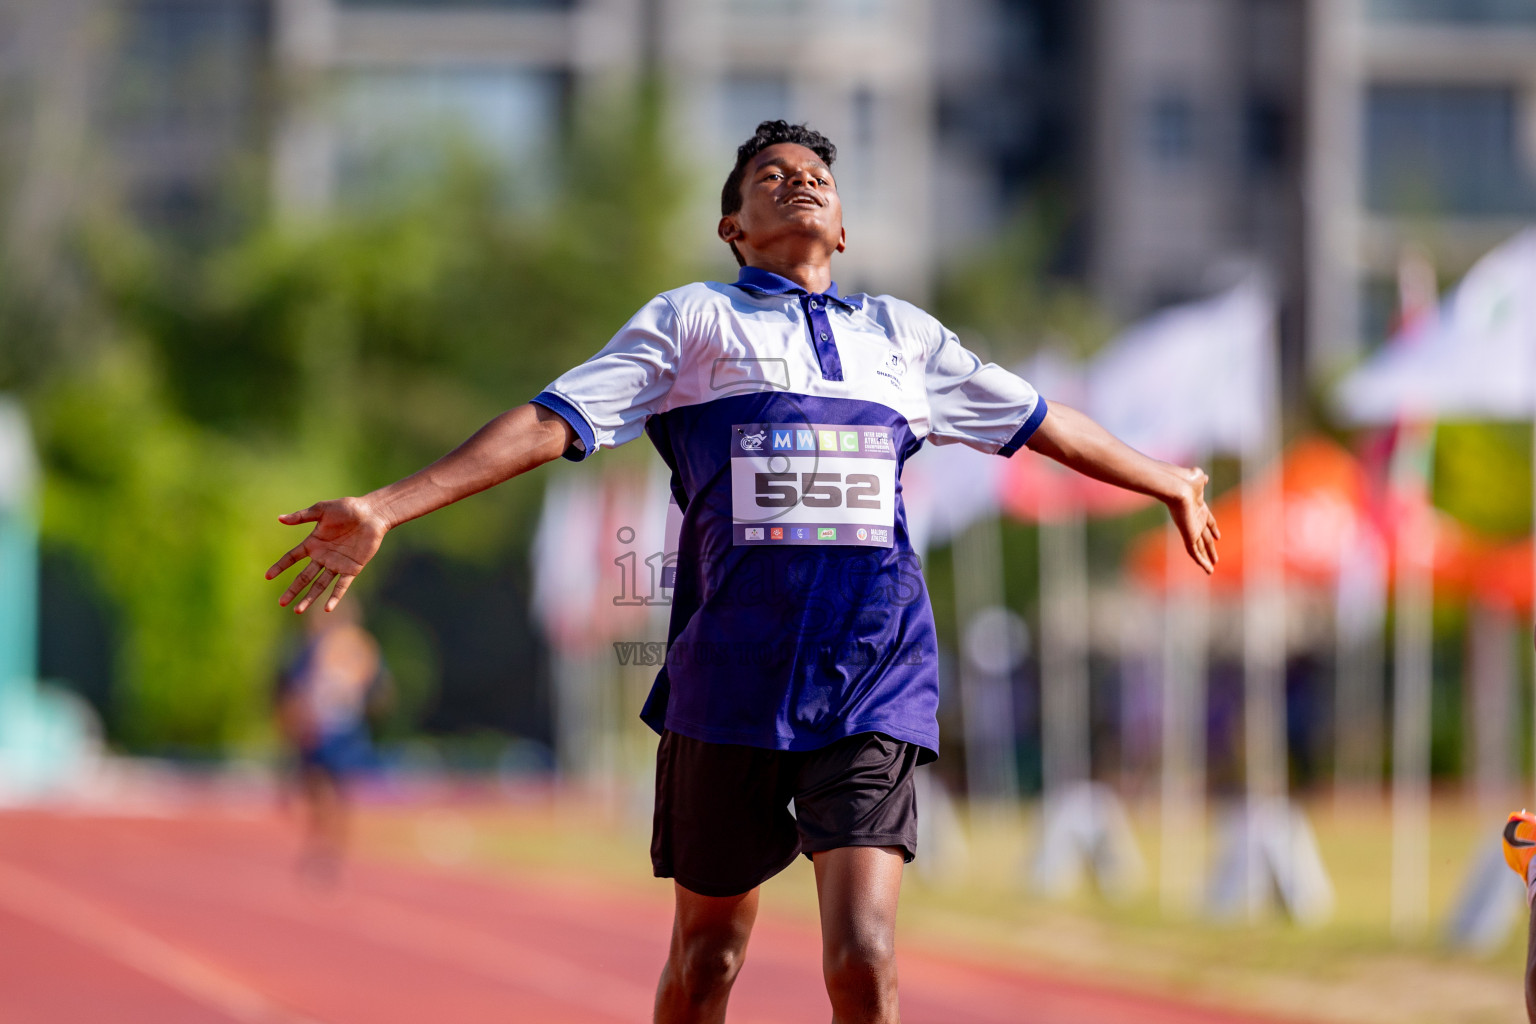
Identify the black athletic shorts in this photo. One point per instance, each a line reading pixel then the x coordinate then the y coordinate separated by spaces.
pixel 723 824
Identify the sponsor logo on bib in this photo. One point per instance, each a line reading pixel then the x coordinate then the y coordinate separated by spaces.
pixel 753 442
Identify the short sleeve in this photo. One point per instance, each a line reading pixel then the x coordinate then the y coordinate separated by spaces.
pixel 979 404
pixel 608 398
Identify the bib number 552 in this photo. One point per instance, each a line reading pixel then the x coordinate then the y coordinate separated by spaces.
pixel 818 490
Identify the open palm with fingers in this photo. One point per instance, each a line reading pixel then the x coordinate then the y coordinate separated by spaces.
pixel 1195 521
pixel 347 533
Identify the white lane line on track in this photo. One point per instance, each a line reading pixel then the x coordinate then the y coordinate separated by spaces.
pixel 56 908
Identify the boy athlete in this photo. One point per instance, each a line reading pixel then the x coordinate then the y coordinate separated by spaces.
pixel 801 661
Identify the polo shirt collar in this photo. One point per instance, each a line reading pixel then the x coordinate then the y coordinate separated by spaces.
pixel 768 283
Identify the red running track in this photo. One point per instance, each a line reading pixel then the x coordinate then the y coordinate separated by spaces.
pixel 201 920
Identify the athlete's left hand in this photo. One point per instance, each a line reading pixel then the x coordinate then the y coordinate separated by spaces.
pixel 1195 522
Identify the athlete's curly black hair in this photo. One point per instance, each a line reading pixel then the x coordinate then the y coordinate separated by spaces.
pixel 770 133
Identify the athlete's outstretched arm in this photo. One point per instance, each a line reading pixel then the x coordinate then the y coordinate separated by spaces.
pixel 348 531
pixel 1079 443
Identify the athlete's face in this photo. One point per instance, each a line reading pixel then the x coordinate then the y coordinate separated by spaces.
pixel 788 199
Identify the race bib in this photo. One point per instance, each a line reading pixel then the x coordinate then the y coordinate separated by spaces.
pixel 812 483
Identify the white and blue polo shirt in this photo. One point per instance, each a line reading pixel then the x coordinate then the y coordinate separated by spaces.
pixel 799 614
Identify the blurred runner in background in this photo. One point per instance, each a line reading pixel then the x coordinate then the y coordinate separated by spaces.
pixel 325 697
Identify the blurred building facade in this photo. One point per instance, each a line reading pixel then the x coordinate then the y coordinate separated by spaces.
pixel 160 103
pixel 1423 130
pixel 1178 142
pixel 947 111
pixel 870 73
pixel 1196 157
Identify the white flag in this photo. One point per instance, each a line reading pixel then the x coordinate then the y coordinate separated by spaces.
pixel 1193 379
pixel 1476 359
pixel 945 490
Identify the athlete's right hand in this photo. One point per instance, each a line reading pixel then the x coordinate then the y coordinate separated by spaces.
pixel 347 533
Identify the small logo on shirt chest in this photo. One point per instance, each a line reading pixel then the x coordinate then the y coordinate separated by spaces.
pixel 892 368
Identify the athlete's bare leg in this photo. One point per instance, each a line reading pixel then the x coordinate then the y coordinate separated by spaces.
pixel 857 888
pixel 325 837
pixel 709 942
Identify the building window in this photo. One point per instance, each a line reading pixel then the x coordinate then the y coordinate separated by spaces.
pixel 1445 149
pixel 1461 11
pixel 396 128
pixel 1170 128
pixel 1265 127
pixel 863 105
pixel 184 102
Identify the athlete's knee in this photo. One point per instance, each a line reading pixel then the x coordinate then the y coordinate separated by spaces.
pixel 861 979
pixel 861 959
pixel 707 966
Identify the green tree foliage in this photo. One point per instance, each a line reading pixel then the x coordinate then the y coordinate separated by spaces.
pixel 220 388
pixel 1483 476
pixel 1004 300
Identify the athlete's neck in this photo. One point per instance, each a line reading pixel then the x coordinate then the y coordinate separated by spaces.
pixel 813 276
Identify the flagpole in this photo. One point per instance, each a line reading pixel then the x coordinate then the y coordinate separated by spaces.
pixel 1064 680
pixel 990 772
pixel 1360 599
pixel 1186 633
pixel 1264 630
pixel 1487 704
pixel 1263 659
pixel 1412 650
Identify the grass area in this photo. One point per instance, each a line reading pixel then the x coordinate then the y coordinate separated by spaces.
pixel 1350 968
